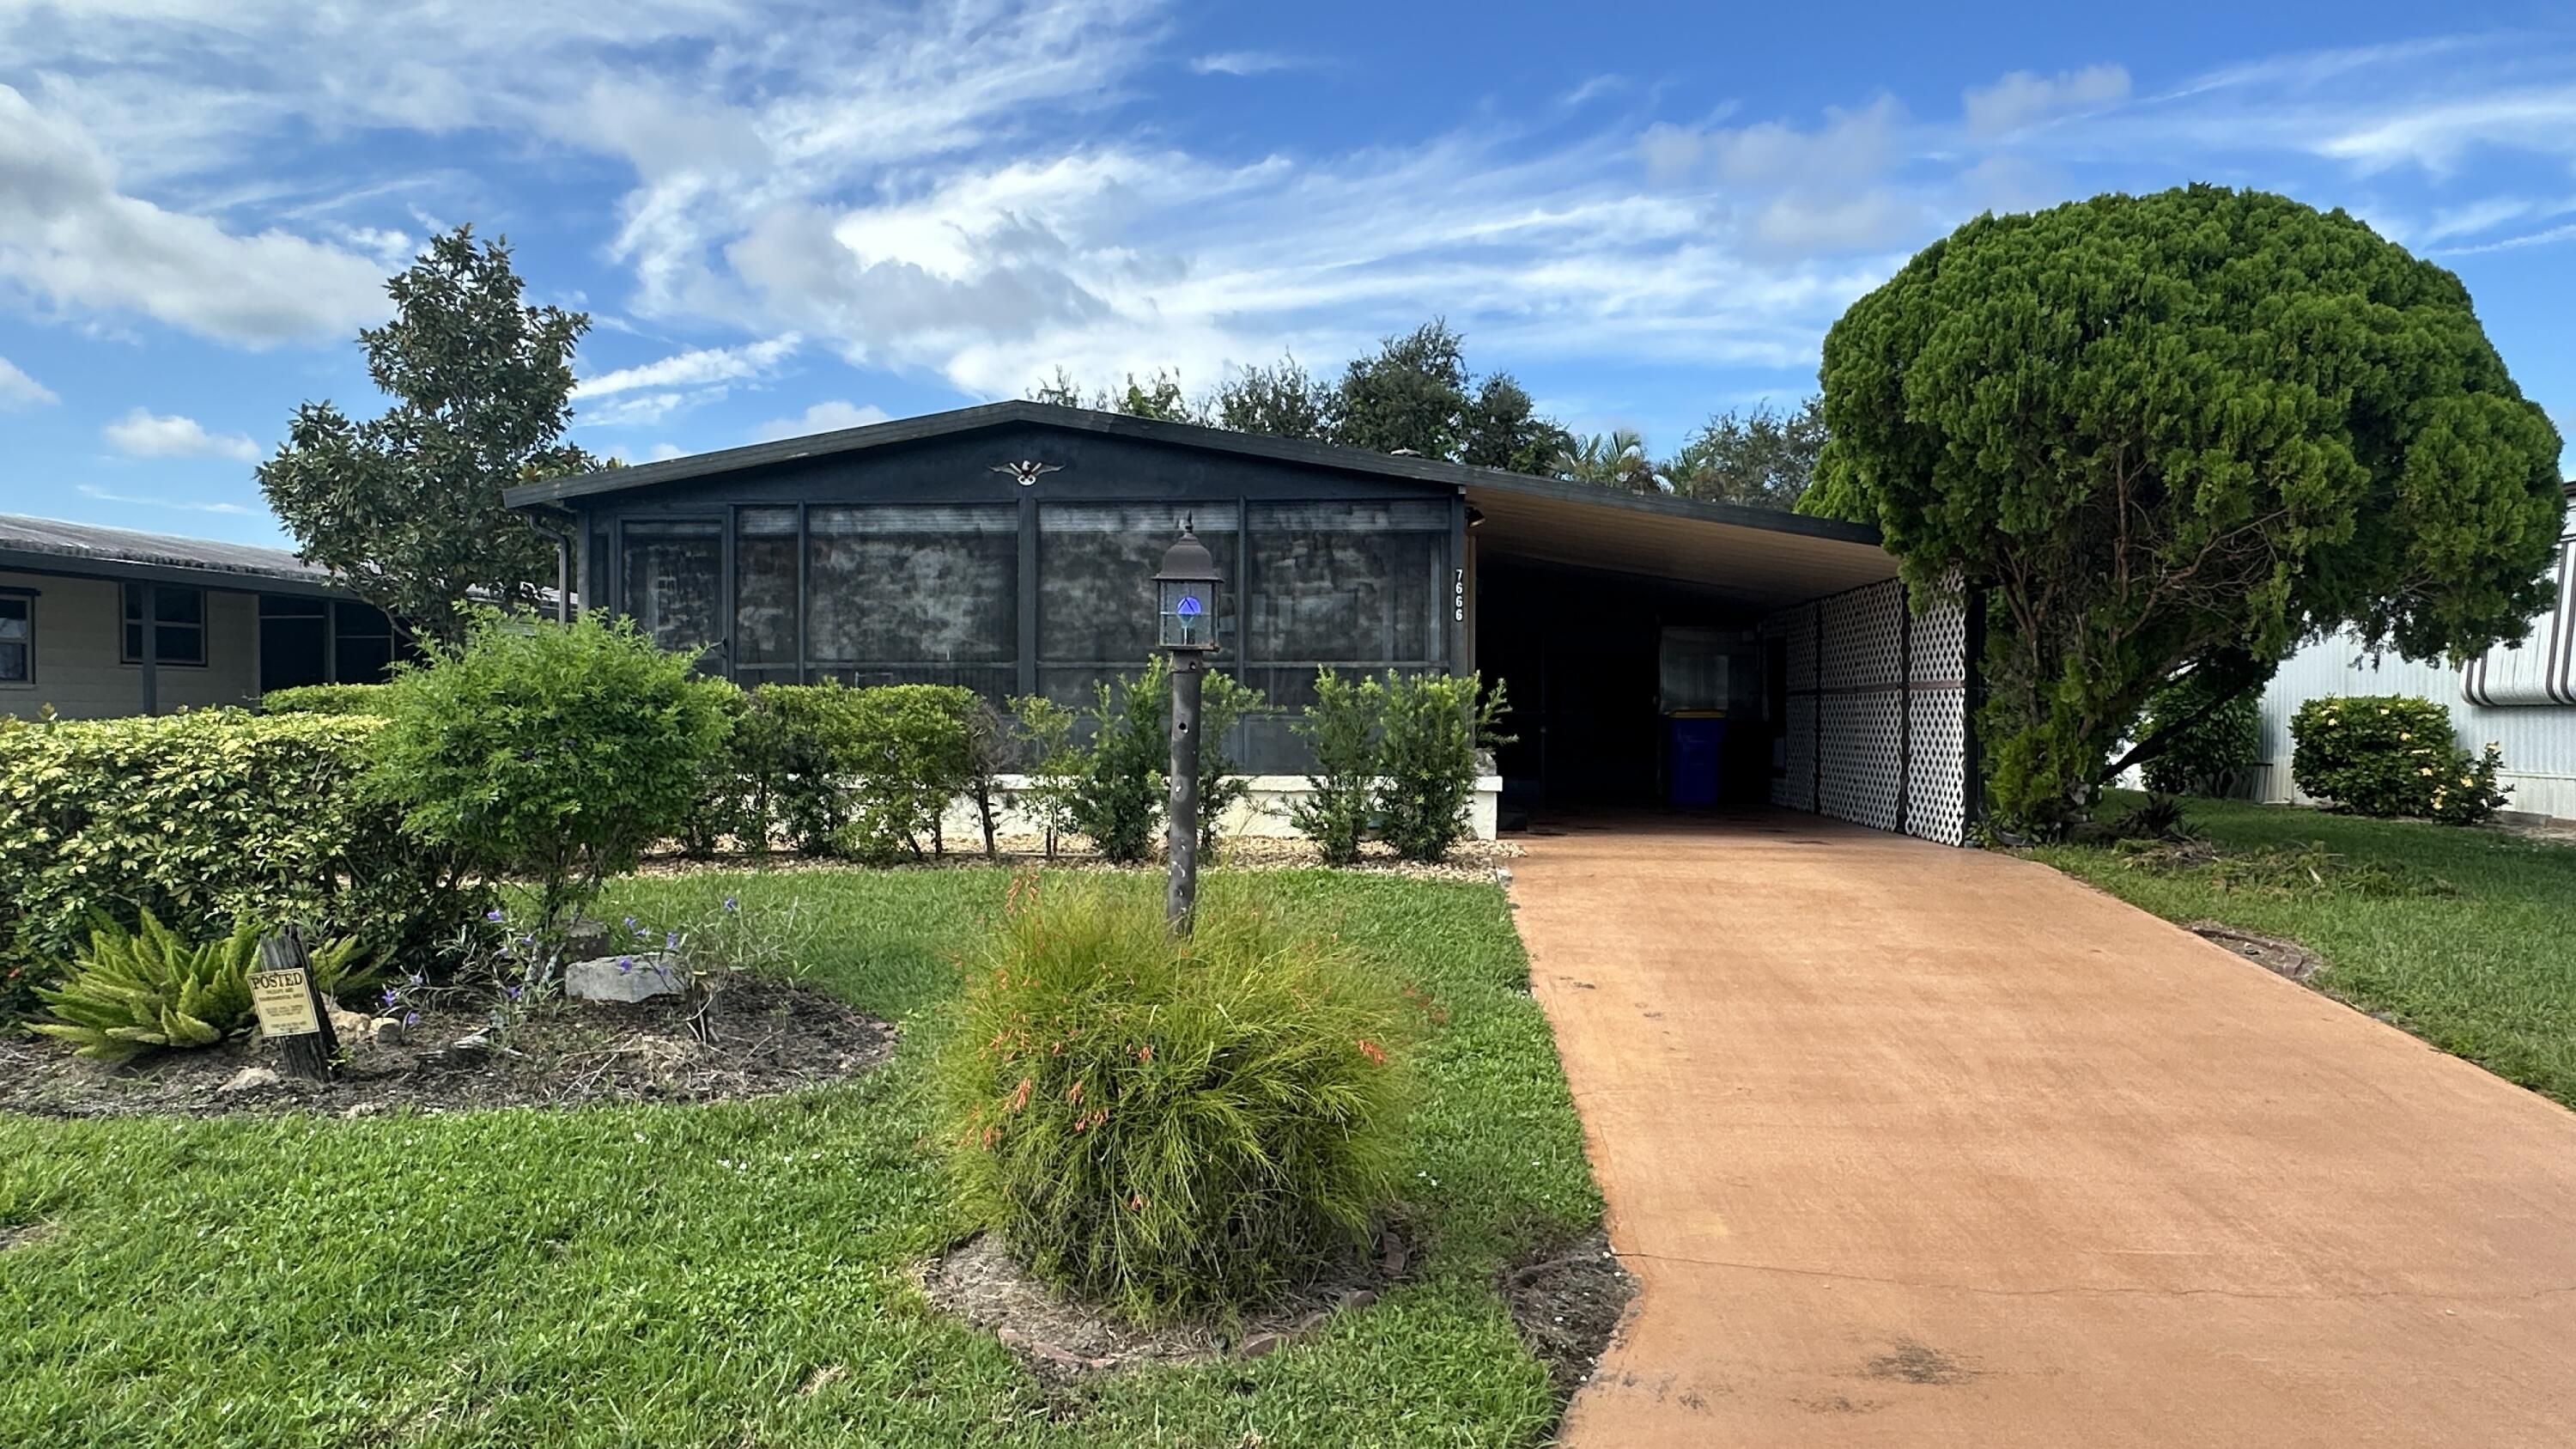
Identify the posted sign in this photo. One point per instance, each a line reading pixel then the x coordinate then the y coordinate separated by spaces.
pixel 284 1002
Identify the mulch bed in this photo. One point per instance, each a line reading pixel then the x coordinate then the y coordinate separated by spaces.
pixel 765 1038
pixel 1569 1307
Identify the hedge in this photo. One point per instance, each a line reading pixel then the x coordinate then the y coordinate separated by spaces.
pixel 207 819
pixel 2392 755
pixel 372 700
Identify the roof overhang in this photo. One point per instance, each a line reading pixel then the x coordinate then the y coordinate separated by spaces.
pixel 1760 555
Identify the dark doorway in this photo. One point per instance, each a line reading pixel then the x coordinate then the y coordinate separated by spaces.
pixel 1582 655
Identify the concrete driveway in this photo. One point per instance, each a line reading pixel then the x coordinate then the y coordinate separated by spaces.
pixel 1919 1146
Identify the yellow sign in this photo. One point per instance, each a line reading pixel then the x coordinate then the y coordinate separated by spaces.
pixel 284 1003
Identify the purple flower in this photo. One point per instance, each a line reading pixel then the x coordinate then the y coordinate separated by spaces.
pixel 392 996
pixel 731 904
pixel 410 1019
pixel 514 993
pixel 625 964
pixel 670 940
pixel 493 915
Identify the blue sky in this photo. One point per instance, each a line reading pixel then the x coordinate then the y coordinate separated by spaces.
pixel 795 216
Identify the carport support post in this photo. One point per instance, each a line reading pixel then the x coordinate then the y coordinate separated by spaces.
pixel 1181 843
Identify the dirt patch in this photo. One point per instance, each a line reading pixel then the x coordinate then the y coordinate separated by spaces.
pixel 762 1038
pixel 19 1235
pixel 1061 1338
pixel 1569 1306
pixel 2273 953
pixel 1917 1363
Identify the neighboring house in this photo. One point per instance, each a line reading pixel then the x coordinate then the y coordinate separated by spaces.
pixel 2522 699
pixel 97 622
pixel 1010 548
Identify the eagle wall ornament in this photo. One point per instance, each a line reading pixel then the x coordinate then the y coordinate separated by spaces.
pixel 1027 471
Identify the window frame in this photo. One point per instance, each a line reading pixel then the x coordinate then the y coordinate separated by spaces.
pixel 129 616
pixel 25 601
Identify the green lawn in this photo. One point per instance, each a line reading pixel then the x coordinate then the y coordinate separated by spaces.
pixel 2487 971
pixel 678 1275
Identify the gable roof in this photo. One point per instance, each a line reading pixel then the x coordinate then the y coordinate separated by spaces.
pixel 1763 554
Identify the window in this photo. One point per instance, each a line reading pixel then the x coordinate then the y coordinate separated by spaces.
pixel 673 574
pixel 17 639
pixel 914 594
pixel 362 643
pixel 179 624
pixel 1096 598
pixel 764 595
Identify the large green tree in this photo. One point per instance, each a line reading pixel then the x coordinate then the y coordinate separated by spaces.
pixel 2182 431
pixel 1762 458
pixel 405 508
pixel 1408 396
pixel 1280 401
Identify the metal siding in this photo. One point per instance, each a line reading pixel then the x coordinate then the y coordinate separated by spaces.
pixel 2538 741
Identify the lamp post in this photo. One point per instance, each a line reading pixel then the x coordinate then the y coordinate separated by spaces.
pixel 1186 592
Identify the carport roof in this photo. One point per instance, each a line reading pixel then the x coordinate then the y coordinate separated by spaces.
pixel 1761 555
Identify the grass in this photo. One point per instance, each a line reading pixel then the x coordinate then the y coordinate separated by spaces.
pixel 2460 936
pixel 737 1274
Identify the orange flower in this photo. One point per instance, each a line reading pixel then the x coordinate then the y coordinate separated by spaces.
pixel 1074 1095
pixel 1372 1051
pixel 1145 1053
pixel 1020 1098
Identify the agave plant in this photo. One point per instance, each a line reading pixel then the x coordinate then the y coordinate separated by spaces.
pixel 131 991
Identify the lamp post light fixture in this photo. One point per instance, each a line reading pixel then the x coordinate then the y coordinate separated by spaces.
pixel 1185 591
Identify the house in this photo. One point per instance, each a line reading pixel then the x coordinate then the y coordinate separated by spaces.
pixel 1653 647
pixel 96 622
pixel 2521 697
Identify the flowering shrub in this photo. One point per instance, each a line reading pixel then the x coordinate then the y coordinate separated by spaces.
pixel 2392 755
pixel 207 820
pixel 1169 1125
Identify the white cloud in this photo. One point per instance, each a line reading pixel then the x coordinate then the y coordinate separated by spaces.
pixel 664 452
pixel 822 417
pixel 188 505
pixel 17 389
pixel 2023 99
pixel 2436 134
pixel 144 434
pixel 69 237
pixel 1244 62
pixel 1851 143
pixel 696 368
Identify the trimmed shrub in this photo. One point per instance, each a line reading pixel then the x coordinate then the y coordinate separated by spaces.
pixel 1043 730
pixel 795 736
pixel 1435 725
pixel 2213 746
pixel 1223 702
pixel 1342 728
pixel 728 802
pixel 909 751
pixel 2392 755
pixel 1171 1126
pixel 1117 797
pixel 556 752
pixel 373 700
pixel 132 991
pixel 210 820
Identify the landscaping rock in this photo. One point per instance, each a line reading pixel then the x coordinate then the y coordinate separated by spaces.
pixel 248 1079
pixel 469 1048
pixel 626 978
pixel 1262 1345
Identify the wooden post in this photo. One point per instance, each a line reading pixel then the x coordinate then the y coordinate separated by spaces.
pixel 291 1008
pixel 1181 890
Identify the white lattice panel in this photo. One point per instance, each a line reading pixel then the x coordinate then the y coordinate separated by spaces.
pixel 1795 788
pixel 1936 804
pixel 1941 646
pixel 1799 627
pixel 1864 637
pixel 1860 745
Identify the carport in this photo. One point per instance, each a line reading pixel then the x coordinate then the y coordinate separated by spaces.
pixel 1624 624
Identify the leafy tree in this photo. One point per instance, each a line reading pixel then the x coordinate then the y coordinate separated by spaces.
pixel 1762 458
pixel 1504 430
pixel 1410 396
pixel 1281 401
pixel 1059 390
pixel 1160 399
pixel 2164 430
pixel 405 509
pixel 1612 460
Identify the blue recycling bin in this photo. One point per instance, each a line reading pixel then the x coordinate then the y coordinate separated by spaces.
pixel 1697 749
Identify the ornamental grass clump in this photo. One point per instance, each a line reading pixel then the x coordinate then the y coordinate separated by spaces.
pixel 1170 1127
